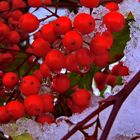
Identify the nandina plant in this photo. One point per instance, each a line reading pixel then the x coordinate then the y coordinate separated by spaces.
pixel 51 75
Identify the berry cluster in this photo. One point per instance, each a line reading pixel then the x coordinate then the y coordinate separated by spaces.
pixel 60 46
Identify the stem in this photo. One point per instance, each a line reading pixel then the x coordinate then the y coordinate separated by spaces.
pixel 122 96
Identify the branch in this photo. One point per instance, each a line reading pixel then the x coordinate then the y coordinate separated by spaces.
pixel 117 101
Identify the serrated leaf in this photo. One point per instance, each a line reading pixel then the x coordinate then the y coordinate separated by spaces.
pixel 24 136
pixel 120 40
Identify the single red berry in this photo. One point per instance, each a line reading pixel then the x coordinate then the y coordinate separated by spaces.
pixel 84 23
pixel 10 79
pixel 8 57
pixel 111 80
pixel 37 35
pixel 83 57
pixel 112 6
pixel 16 4
pixel 62 25
pixel 120 70
pixel 48 101
pixel 26 22
pixel 14 37
pixel 61 83
pixel 74 107
pixel 4 29
pixel 45 70
pixel 124 71
pixel 90 3
pixel 45 118
pixel 100 77
pixel 34 3
pixel 81 97
pixel 101 43
pixel 55 60
pixel 41 47
pixel 38 75
pixel 114 21
pixel 15 110
pixel 102 60
pixel 101 86
pixel 72 40
pixel 71 63
pixel 4 117
pixel 16 14
pixel 4 6
pixel 30 85
pixel 48 2
pixel 34 105
pixel 48 32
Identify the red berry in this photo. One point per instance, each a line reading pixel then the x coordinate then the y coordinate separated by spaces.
pixel 71 63
pixel 34 105
pixel 111 80
pixel 102 60
pixel 26 22
pixel 29 85
pixel 99 77
pixel 123 71
pixel 90 3
pixel 84 23
pixel 4 29
pixel 4 117
pixel 72 40
pixel 48 32
pixel 16 14
pixel 4 6
pixel 8 57
pixel 45 118
pixel 38 75
pixel 81 97
pixel 34 3
pixel 83 53
pixel 15 110
pixel 40 47
pixel 120 70
pixel 45 70
pixel 74 107
pixel 62 25
pixel 55 60
pixel 101 43
pixel 61 83
pixel 101 86
pixel 14 37
pixel 47 2
pixel 114 21
pixel 37 35
pixel 10 79
pixel 48 101
pixel 112 6
pixel 16 4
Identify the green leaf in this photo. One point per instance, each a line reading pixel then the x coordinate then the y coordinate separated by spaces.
pixel 120 40
pixel 84 81
pixel 119 80
pixel 24 136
